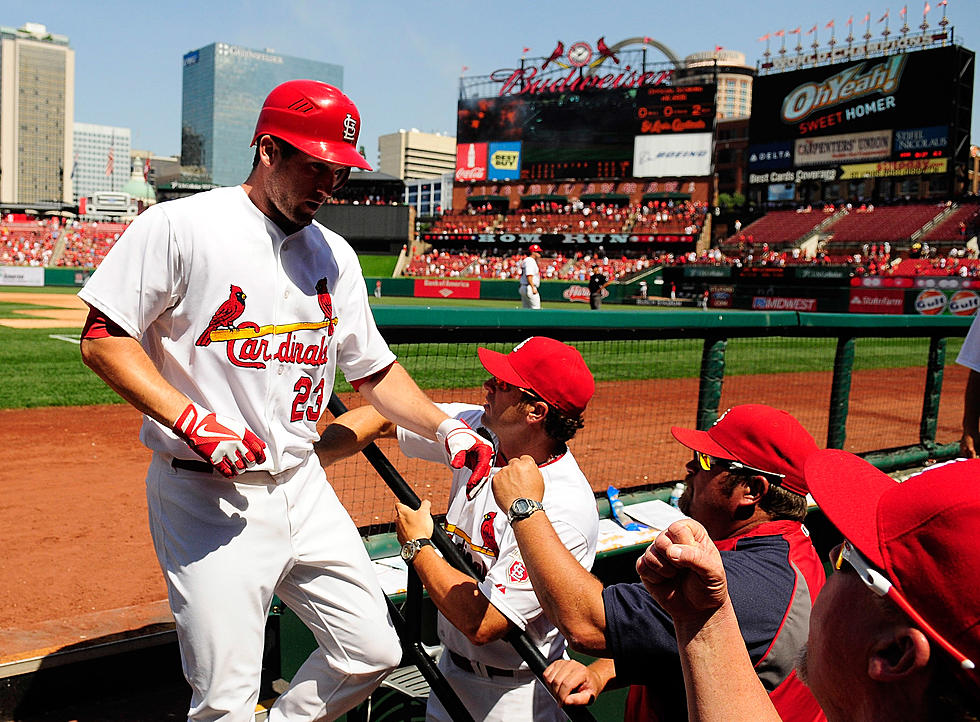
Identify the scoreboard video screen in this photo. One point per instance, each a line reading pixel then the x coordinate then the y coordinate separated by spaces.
pixel 591 134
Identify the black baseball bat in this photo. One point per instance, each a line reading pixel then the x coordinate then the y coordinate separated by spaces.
pixel 407 496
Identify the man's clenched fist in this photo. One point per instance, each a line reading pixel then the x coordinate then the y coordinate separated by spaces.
pixel 227 443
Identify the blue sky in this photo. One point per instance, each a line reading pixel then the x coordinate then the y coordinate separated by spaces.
pixel 402 60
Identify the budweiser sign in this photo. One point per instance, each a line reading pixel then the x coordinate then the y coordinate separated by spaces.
pixel 575 69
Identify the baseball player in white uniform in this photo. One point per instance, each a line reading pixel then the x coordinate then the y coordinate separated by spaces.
pixel 535 399
pixel 223 317
pixel 531 278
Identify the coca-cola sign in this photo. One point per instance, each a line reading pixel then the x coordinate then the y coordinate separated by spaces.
pixel 471 162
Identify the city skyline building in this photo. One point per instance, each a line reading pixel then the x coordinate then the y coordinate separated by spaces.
pixel 412 154
pixel 101 159
pixel 733 97
pixel 37 109
pixel 223 89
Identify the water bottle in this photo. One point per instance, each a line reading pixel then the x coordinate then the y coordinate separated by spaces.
pixel 675 494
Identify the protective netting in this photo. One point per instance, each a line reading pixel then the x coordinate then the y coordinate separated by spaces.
pixel 645 386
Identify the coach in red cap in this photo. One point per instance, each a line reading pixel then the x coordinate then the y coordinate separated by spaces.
pixel 536 396
pixel 895 632
pixel 745 484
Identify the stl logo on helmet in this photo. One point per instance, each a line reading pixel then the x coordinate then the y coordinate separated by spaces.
pixel 350 128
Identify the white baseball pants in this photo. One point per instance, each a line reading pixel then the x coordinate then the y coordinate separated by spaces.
pixel 226 547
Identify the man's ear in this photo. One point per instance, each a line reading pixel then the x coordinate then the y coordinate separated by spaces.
pixel 268 150
pixel 537 411
pixel 900 651
pixel 753 488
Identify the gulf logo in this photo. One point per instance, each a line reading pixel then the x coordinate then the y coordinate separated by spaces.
pixel 930 302
pixel 964 303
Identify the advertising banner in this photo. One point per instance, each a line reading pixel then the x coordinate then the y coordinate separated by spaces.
pixel 780 303
pixel 921 140
pixel 672 155
pixel 873 300
pixel 903 90
pixel 889 168
pixel 771 156
pixel 446 288
pixel 933 302
pixel 504 161
pixel 833 149
pixel 21 276
pixel 471 161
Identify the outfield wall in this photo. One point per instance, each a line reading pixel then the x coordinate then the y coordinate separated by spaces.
pixel 806 289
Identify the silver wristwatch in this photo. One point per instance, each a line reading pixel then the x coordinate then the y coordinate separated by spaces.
pixel 522 509
pixel 411 548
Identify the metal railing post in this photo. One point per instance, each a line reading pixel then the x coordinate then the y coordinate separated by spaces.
pixel 933 392
pixel 840 392
pixel 711 379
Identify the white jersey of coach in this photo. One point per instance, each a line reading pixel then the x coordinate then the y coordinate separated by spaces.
pixel 272 365
pixel 529 269
pixel 479 524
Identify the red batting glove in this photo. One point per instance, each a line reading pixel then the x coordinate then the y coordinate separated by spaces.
pixel 227 443
pixel 466 448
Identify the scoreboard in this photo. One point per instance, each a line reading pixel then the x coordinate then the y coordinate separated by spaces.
pixel 576 136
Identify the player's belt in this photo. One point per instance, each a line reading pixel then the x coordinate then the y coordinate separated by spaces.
pixel 201 467
pixel 487 671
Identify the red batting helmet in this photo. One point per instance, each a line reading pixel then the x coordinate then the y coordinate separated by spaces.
pixel 316 118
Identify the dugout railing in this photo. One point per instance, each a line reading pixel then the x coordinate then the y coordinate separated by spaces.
pixel 881 386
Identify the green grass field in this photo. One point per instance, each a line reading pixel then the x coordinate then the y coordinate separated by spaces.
pixel 42 367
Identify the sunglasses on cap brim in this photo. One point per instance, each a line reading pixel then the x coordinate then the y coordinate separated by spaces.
pixel 708 462
pixel 879 584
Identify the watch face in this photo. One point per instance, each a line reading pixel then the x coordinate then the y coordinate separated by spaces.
pixel 520 507
pixel 408 551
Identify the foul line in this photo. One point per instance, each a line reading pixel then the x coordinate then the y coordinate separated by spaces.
pixel 69 339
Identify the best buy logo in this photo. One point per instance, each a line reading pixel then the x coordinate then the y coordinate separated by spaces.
pixel 505 159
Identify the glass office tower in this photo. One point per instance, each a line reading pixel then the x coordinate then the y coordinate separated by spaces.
pixel 223 89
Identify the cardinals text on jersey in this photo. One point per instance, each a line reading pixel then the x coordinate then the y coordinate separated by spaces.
pixel 254 351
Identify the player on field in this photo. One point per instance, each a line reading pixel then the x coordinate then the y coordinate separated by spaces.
pixel 222 317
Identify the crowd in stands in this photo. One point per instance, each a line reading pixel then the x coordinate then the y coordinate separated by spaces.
pixel 666 216
pixel 28 241
pixel 489 265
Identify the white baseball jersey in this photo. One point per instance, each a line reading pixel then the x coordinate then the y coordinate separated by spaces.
pixel 530 275
pixel 969 355
pixel 244 320
pixel 481 527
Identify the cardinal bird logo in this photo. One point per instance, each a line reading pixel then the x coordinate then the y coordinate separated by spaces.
pixel 226 315
pixel 556 53
pixel 605 51
pixel 489 537
pixel 326 305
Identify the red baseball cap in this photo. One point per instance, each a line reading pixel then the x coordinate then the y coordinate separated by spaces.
pixel 921 533
pixel 759 436
pixel 553 370
pixel 535 248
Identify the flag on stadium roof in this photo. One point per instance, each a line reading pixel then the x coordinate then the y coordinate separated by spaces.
pixel 884 17
pixel 830 24
pixel 109 163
